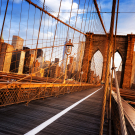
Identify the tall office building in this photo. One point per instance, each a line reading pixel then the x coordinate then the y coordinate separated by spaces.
pixel 17 42
pixel 64 57
pixel 5 58
pixel 17 62
pixel 80 53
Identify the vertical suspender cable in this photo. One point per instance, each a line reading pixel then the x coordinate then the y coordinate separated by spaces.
pixel 4 19
pixel 108 67
pixel 113 55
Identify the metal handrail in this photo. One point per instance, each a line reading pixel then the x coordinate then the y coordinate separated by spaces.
pixel 120 107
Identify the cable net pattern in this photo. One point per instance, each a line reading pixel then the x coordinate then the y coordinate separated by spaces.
pixel 33 56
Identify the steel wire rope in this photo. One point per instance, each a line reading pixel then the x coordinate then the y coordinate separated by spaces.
pixel 53 16
pixel 82 18
pixel 86 14
pixel 121 114
pixel 67 36
pixel 86 19
pixel 35 53
pixel 48 47
pixel 10 20
pixel 94 27
pixel 76 19
pixel 33 27
pixel 102 14
pixel 47 32
pixel 54 38
pixel 27 24
pixel 69 22
pixel 3 27
pixel 41 91
pixel 44 38
pixel 78 46
pixel 108 67
pixel 54 81
pixel 89 27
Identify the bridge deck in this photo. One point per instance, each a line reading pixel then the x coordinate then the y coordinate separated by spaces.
pixel 82 119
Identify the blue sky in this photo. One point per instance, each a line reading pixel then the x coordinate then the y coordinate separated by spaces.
pixel 125 21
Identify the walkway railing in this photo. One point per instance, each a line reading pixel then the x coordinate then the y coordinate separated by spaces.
pixel 26 92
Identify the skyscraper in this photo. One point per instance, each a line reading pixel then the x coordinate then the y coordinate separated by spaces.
pixel 64 57
pixel 80 53
pixel 17 42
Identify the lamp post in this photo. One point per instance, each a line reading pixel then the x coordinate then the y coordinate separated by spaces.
pixel 68 51
pixel 81 76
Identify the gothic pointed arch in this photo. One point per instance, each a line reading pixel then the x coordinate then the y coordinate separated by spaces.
pixel 120 53
pixel 96 50
pixel 118 63
pixel 95 67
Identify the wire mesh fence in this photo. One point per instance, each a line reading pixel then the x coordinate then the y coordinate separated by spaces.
pixel 35 48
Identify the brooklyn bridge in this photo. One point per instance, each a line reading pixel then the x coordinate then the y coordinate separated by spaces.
pixel 67 67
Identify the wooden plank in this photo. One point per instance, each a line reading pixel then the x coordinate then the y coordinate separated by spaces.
pixel 83 119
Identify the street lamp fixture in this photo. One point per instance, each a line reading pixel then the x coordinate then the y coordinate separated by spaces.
pixel 81 76
pixel 69 46
pixel 68 50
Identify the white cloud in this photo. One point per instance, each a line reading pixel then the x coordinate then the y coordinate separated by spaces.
pixel 65 5
pixel 64 10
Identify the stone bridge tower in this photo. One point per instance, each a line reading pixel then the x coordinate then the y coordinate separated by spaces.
pixel 124 46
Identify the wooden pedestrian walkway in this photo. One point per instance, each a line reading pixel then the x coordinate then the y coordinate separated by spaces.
pixel 83 119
